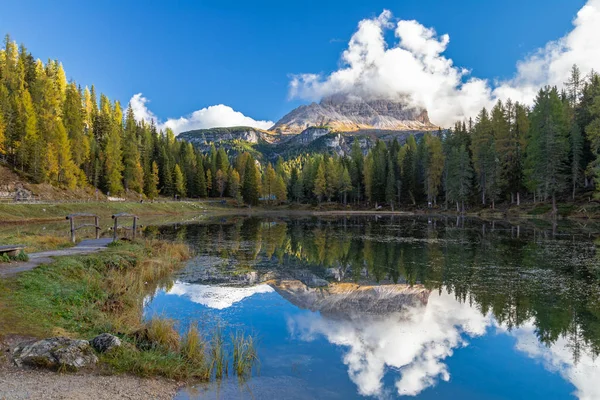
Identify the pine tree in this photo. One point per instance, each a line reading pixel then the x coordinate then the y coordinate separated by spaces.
pixel 179 181
pixel 279 190
pixel 434 166
pixel 221 180
pixel 320 189
pixel 460 175
pixel 548 147
pixel 484 158
pixel 113 164
pixel 74 122
pixel 2 136
pixel 251 183
pixel 390 185
pixel 356 170
pixel 296 187
pixel 201 179
pixel 152 188
pixel 235 186
pixel 345 184
pixel 133 174
pixel 269 181
pixel 209 182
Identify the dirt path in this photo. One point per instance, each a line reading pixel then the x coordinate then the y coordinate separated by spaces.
pixel 33 384
pixel 45 257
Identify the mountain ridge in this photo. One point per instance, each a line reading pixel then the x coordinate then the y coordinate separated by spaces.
pixel 346 113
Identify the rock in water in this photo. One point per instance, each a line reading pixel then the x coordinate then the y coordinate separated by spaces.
pixel 105 342
pixel 55 353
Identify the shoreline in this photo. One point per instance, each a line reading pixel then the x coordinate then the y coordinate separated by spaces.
pixel 39 213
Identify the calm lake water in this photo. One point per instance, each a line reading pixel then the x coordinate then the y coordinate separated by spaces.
pixel 395 307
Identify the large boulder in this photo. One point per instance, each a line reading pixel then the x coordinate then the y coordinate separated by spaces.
pixel 105 342
pixel 55 353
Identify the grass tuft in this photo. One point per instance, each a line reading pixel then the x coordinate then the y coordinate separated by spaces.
pixel 245 356
pixel 218 354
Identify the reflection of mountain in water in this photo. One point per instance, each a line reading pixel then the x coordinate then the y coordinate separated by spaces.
pixel 413 343
pixel 402 330
pixel 351 300
pixel 519 274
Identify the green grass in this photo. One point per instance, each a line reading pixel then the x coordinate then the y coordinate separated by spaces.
pixel 5 258
pixel 11 212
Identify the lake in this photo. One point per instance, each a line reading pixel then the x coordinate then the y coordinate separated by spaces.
pixel 394 307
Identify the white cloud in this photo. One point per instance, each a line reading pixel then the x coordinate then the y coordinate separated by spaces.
pixel 415 68
pixel 217 297
pixel 218 115
pixel 416 342
pixel 558 357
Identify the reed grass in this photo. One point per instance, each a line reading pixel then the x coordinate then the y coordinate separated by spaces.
pixel 245 356
pixel 219 365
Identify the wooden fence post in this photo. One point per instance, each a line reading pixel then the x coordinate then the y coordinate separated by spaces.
pixel 134 226
pixel 72 223
pixel 116 226
pixel 97 223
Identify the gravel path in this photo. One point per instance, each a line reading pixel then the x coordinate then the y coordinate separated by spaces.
pixel 45 257
pixel 18 384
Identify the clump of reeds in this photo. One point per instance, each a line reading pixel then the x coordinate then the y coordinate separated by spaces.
pixel 245 356
pixel 161 333
pixel 193 349
pixel 218 354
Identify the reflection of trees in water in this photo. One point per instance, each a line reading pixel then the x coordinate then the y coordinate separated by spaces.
pixel 517 273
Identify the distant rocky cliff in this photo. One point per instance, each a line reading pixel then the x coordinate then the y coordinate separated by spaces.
pixel 245 133
pixel 346 300
pixel 331 126
pixel 346 113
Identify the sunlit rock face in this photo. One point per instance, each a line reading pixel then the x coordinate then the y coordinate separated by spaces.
pixel 412 341
pixel 349 300
pixel 347 113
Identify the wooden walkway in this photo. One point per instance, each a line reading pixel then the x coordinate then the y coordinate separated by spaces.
pixel 45 257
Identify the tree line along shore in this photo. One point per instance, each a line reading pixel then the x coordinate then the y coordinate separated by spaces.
pixel 54 131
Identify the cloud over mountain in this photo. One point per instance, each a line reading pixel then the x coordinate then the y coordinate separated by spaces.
pixel 218 115
pixel 415 68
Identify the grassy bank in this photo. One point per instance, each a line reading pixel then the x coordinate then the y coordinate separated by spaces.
pixel 82 296
pixel 18 213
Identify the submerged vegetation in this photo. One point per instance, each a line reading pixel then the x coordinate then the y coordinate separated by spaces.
pixel 82 296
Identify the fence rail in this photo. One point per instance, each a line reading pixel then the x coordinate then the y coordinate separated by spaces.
pixel 74 228
pixel 116 226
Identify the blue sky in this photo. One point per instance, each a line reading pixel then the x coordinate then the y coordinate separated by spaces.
pixel 187 55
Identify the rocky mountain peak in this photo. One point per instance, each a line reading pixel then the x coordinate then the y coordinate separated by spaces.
pixel 348 113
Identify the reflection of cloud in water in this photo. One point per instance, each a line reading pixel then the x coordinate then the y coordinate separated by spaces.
pixel 584 374
pixel 218 297
pixel 416 342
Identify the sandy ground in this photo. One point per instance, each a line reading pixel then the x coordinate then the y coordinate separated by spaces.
pixel 33 384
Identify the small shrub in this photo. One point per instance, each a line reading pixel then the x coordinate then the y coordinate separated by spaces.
pixel 22 256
